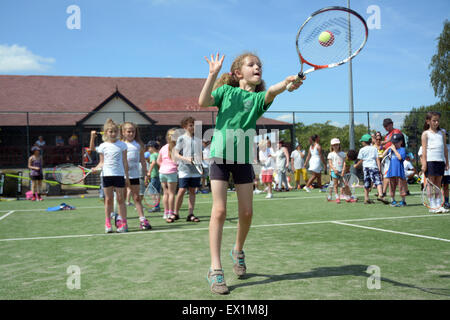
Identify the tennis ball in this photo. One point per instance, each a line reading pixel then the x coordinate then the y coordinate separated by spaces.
pixel 326 38
pixel 82 196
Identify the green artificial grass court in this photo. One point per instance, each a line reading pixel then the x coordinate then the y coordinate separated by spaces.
pixel 300 247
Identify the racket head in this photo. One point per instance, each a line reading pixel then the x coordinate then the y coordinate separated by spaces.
pixel 151 196
pixel 69 174
pixel 432 196
pixel 330 189
pixel 385 162
pixel 351 180
pixel 198 166
pixel 342 46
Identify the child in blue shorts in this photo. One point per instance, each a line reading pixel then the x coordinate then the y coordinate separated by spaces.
pixel 368 157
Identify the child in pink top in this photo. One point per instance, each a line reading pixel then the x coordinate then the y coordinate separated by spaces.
pixel 168 175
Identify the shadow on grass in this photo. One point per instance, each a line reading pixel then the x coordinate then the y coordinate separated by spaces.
pixel 321 272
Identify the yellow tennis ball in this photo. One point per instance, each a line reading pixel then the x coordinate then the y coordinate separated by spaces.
pixel 326 38
pixel 82 196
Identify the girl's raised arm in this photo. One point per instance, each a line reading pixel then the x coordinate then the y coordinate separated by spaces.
pixel 215 64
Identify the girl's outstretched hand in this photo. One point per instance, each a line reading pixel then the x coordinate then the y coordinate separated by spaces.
pixel 295 84
pixel 215 64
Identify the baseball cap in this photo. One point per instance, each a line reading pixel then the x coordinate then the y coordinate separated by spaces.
pixel 365 138
pixel 397 137
pixel 335 141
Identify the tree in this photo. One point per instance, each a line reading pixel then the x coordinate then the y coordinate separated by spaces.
pixel 440 62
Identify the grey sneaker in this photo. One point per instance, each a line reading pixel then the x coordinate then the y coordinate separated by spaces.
pixel 239 267
pixel 216 281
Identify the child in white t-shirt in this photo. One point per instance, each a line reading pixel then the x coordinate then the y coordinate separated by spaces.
pixel 336 160
pixel 113 162
pixel 368 157
pixel 136 168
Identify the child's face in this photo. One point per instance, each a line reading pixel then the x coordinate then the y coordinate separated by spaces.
pixel 129 133
pixel 111 134
pixel 151 149
pixel 434 122
pixel 189 128
pixel 335 147
pixel 251 70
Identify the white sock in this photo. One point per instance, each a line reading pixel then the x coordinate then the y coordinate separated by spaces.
pixel 433 203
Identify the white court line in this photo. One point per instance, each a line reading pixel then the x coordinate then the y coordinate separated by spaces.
pixel 391 231
pixel 4 216
pixel 196 202
pixel 323 196
pixel 206 229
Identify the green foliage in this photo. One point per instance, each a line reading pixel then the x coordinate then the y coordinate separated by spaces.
pixel 415 120
pixel 440 62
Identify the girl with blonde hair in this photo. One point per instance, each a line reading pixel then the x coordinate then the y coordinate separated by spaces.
pixel 113 162
pixel 168 174
pixel 129 134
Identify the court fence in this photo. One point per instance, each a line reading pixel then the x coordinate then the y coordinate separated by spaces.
pixel 67 134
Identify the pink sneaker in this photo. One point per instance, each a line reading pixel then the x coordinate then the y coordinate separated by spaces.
pixel 144 225
pixel 338 200
pixel 108 228
pixel 122 226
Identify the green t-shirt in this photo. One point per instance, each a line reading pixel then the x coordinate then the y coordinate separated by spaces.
pixel 236 123
pixel 155 170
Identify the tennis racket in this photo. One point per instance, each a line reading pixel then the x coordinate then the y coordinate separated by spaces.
pixel 329 38
pixel 432 196
pixel 350 180
pixel 70 174
pixel 385 162
pixel 198 165
pixel 330 189
pixel 151 196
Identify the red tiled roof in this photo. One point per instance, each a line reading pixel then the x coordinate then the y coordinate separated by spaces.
pixel 84 94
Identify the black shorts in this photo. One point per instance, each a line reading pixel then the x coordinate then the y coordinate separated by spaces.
pixel 114 181
pixel 242 173
pixel 446 180
pixel 38 177
pixel 134 182
pixel 184 183
pixel 435 168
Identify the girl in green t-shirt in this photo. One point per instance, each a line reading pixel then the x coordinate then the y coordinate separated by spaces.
pixel 241 99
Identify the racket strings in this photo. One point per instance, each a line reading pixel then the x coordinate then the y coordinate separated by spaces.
pixel 345 43
pixel 69 175
pixel 432 196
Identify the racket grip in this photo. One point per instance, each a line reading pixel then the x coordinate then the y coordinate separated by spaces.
pixel 297 80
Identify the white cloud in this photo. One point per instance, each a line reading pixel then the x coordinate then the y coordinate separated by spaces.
pixel 16 58
pixel 285 117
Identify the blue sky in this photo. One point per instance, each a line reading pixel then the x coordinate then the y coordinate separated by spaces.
pixel 169 38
